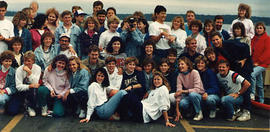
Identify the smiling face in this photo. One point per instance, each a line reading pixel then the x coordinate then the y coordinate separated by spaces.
pixel 161 17
pixel 149 49
pixel 242 13
pixel 208 28
pixel 195 29
pixel 64 43
pixel 183 67
pixel 259 30
pixel 223 69
pixel 176 24
pixel 130 67
pixel 60 65
pixel 7 63
pixel 100 77
pixel 157 81
pixel 192 45
pixel 218 24
pixel 113 26
pixel 201 66
pixel 211 57
pixel 141 26
pixel 148 68
pixel 3 12
pixel 217 41
pixel 67 19
pixel 171 58
pixel 73 66
pixel 164 68
pixel 47 41
pixel 17 46
pixel 101 18
pixel 237 32
pixel 110 13
pixel 111 66
pixel 190 17
pixel 29 63
pixel 116 46
pixel 91 25
pixel 51 18
pixel 22 23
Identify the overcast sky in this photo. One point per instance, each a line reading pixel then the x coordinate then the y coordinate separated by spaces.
pixel 207 7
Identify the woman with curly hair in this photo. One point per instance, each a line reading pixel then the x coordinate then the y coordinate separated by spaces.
pixel 196 27
pixel 53 19
pixel 179 32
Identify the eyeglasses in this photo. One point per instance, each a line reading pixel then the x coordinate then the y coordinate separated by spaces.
pixel 65 41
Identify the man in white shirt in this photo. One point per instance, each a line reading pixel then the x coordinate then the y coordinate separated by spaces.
pixel 64 48
pixel 6 28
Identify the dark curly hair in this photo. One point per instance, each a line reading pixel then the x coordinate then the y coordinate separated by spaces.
pixel 105 82
pixel 60 57
pixel 40 20
pixel 109 48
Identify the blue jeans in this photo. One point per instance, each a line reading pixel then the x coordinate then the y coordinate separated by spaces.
pixel 191 98
pixel 257 80
pixel 212 101
pixel 3 99
pixel 228 103
pixel 106 110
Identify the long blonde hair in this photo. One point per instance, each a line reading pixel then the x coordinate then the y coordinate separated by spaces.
pixel 182 23
pixel 165 81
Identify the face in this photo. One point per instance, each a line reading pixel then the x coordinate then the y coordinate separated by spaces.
pixel 22 23
pixel 164 68
pixel 116 46
pixel 195 29
pixel 94 56
pixel 237 32
pixel 161 16
pixel 141 26
pixel 208 28
pixel 29 63
pixel 96 9
pixel 183 67
pixel 111 66
pixel 101 18
pixel 157 81
pixel 149 49
pixel 242 13
pixel 201 66
pixel 3 11
pixel 130 67
pixel 176 24
pixel 110 13
pixel 190 17
pixel 7 63
pixel 100 77
pixel 51 18
pixel 218 24
pixel 64 43
pixel 80 18
pixel 259 30
pixel 32 14
pixel 113 26
pixel 47 41
pixel 171 58
pixel 67 19
pixel 217 41
pixel 148 68
pixel 91 25
pixel 211 57
pixel 60 65
pixel 223 69
pixel 192 45
pixel 73 66
pixel 17 47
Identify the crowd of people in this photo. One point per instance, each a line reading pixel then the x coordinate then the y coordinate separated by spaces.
pixel 97 67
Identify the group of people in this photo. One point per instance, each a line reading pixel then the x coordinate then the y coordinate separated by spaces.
pixel 96 67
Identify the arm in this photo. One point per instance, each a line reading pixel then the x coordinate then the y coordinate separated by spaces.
pixel 197 87
pixel 83 82
pixel 167 121
pixel 178 114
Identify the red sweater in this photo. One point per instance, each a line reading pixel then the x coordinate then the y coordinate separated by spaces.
pixel 260 49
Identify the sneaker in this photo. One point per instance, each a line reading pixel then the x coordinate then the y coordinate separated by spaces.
pixel 212 114
pixel 245 116
pixel 252 96
pixel 232 119
pixel 238 112
pixel 31 112
pixel 82 114
pixel 44 110
pixel 198 116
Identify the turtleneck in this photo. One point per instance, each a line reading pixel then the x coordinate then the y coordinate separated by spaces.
pixel 4 69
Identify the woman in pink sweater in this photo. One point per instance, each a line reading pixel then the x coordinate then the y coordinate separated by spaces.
pixel 189 89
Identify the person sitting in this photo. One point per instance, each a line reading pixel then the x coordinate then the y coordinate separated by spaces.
pixel 191 52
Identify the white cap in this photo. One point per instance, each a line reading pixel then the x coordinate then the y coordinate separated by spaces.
pixel 79 12
pixel 64 35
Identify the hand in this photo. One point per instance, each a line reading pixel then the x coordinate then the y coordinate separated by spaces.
pixel 204 96
pixel 2 91
pixel 72 50
pixel 234 95
pixel 255 64
pixel 66 95
pixel 84 120
pixel 2 38
pixel 171 39
pixel 145 95
pixel 242 62
pixel 49 68
pixel 168 124
pixel 28 70
pixel 165 34
pixel 178 116
pixel 120 71
pixel 34 85
pixel 128 88
pixel 59 96
pixel 138 68
pixel 178 93
pixel 53 94
pixel 125 26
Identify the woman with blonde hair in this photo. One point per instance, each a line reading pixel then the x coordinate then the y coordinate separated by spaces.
pixel 179 32
pixel 53 19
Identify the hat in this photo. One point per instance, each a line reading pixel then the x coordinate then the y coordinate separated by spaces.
pixel 64 35
pixel 79 12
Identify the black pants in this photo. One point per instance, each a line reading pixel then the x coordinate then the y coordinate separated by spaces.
pixel 77 99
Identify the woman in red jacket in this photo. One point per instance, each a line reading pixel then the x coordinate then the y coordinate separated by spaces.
pixel 260 49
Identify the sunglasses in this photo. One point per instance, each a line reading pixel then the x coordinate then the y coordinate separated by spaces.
pixel 65 41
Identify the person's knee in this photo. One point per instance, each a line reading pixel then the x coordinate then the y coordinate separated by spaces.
pixel 194 95
pixel 183 105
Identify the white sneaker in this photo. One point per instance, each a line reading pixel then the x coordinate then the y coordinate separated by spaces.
pixel 252 96
pixel 31 112
pixel 232 119
pixel 198 116
pixel 44 110
pixel 245 116
pixel 82 114
pixel 212 114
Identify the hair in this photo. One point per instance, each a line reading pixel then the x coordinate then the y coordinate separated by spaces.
pixel 98 3
pixel 182 23
pixel 3 4
pixel 216 34
pixel 164 80
pixel 47 34
pixel 239 25
pixel 113 19
pixel 260 24
pixel 189 39
pixel 131 59
pixel 208 22
pixel 7 54
pixel 79 62
pixel 102 12
pixel 218 17
pixel 34 2
pixel 60 57
pixel 65 12
pixel 105 82
pixel 190 11
pixel 93 48
pixel 246 7
pixel 54 11
pixel 224 62
pixel 144 21
pixel 149 42
pixel 18 17
pixel 14 40
pixel 159 8
pixel 172 51
pixel 187 61
pixel 110 59
pixel 147 61
pixel 109 48
pixel 201 58
pixel 92 19
pixel 164 60
pixel 39 21
pixel 76 7
pixel 197 23
pixel 209 50
pixel 138 14
pixel 111 8
pixel 29 55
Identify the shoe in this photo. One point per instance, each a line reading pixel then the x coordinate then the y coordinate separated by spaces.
pixel 198 116
pixel 82 114
pixel 44 110
pixel 232 119
pixel 252 96
pixel 212 114
pixel 31 112
pixel 115 117
pixel 245 116
pixel 238 112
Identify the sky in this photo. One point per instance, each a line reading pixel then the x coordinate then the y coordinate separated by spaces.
pixel 206 7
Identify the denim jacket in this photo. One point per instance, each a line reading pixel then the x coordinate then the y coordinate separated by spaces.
pixel 27 39
pixel 10 85
pixel 40 60
pixel 79 81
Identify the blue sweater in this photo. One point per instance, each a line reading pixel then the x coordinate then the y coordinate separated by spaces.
pixel 210 82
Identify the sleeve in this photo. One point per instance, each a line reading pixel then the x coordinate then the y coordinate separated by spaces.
pixel 164 100
pixel 197 87
pixel 57 35
pixel 237 78
pixel 180 40
pixel 11 30
pixel 213 87
pixel 91 104
pixel 250 32
pixel 11 89
pixel 102 40
pixel 36 72
pixel 46 80
pixel 123 35
pixel 67 87
pixel 179 86
pixel 153 31
pixel 19 80
pixel 137 36
pixel 83 82
pixel 264 58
